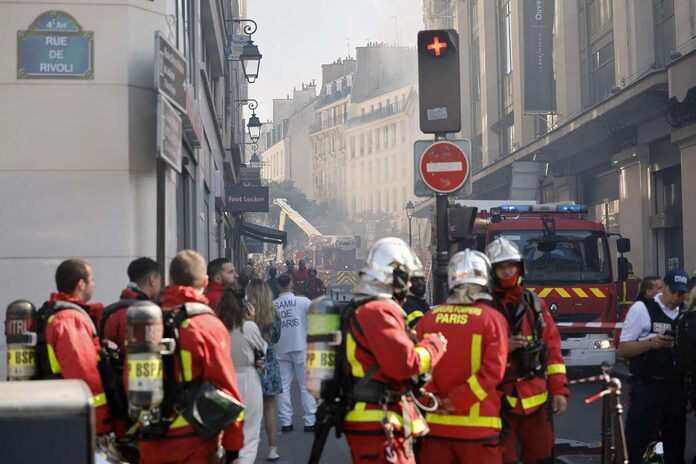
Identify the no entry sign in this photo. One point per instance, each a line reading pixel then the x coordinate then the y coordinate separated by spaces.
pixel 444 167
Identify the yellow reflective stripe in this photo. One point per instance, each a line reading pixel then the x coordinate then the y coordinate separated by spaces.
pixel 414 315
pixel 464 421
pixel 476 388
pixel 355 367
pixel 179 422
pixel 536 400
pixel 53 361
pixel 240 418
pixel 360 414
pixel 555 369
pixel 545 292
pixel 475 353
pixel 598 293
pixel 425 359
pixel 580 292
pixel 99 400
pixel 563 292
pixel 186 366
pixel 418 426
pixel 511 400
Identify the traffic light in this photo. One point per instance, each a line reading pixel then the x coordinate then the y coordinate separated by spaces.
pixel 460 220
pixel 438 81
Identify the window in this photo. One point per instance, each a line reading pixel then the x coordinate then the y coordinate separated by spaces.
pixel 386 136
pixel 402 128
pixel 393 134
pixel 597 76
pixel 377 148
pixel 378 201
pixel 663 18
pixel 376 174
pixel 352 147
pixel 369 142
pixel 387 174
pixel 362 144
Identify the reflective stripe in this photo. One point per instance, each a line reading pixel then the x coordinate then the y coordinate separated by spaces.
pixel 580 292
pixel 545 292
pixel 425 359
pixel 360 414
pixel 563 292
pixel 179 422
pixel 241 416
pixel 511 400
pixel 555 369
pixel 355 366
pixel 464 421
pixel 414 315
pixel 53 361
pixel 536 400
pixel 475 353
pixel 186 366
pixel 99 400
pixel 476 388
pixel 598 293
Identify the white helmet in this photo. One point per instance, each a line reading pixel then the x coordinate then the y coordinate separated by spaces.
pixel 469 267
pixel 389 265
pixel 502 250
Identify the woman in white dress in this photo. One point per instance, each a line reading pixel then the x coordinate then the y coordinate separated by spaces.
pixel 248 349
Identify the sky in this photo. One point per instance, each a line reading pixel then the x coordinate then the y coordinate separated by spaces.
pixel 296 37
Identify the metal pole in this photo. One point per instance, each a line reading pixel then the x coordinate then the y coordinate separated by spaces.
pixel 410 240
pixel 442 258
pixel 161 216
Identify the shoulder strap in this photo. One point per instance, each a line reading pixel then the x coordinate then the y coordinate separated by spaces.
pixel 63 305
pixel 531 299
pixel 111 309
pixel 196 309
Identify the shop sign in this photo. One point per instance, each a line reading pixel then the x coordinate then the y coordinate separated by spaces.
pixel 242 199
pixel 171 69
pixel 168 134
pixel 55 47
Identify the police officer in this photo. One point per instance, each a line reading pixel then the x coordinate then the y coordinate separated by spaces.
pixel 468 425
pixel 383 358
pixel 535 384
pixel 658 396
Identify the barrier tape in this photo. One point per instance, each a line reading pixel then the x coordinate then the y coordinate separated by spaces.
pixel 594 378
pixel 590 325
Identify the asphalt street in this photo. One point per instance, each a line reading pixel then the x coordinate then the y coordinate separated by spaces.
pixel 581 423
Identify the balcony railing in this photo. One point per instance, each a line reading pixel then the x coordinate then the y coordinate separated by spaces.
pixel 380 113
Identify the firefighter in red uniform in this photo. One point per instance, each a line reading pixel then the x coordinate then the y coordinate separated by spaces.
pixel 71 337
pixel 467 425
pixel 383 358
pixel 205 356
pixel 535 385
pixel 145 284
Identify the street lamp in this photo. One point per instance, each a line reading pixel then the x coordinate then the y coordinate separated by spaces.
pixel 250 57
pixel 409 213
pixel 254 123
pixel 254 161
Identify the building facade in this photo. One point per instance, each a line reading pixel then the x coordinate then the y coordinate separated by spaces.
pixel 78 168
pixel 622 128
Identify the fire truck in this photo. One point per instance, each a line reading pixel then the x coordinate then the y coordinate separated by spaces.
pixel 568 263
pixel 334 256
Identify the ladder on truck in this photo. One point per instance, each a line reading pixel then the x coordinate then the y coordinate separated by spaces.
pixel 287 211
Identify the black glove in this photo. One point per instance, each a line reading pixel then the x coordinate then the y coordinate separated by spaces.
pixel 230 456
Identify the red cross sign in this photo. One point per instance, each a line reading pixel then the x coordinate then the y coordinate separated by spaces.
pixel 437 45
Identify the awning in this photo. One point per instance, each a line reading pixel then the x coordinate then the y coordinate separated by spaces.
pixel 264 234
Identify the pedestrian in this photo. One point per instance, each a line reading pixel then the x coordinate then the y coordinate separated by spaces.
pixel 415 305
pixel 313 286
pixel 145 284
pixel 658 395
pixel 273 281
pixel 291 351
pixel 300 277
pixel 383 358
pixel 248 348
pixel 469 372
pixel 649 287
pixel 72 342
pixel 268 320
pixel 289 266
pixel 204 356
pixel 535 386
pixel 221 272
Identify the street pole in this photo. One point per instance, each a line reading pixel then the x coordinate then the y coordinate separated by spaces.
pixel 442 247
pixel 161 216
pixel 410 240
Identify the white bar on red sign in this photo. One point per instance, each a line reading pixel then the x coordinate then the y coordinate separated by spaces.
pixel 454 166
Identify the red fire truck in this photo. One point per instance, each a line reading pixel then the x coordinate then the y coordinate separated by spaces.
pixel 568 263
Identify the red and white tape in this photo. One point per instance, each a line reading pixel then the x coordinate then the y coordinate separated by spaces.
pixel 590 325
pixel 594 378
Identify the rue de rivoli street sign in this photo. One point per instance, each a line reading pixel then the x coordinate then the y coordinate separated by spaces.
pixel 169 131
pixel 55 47
pixel 242 199
pixel 171 69
pixel 442 167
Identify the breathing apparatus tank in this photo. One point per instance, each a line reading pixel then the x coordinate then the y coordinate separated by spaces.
pixel 144 346
pixel 323 341
pixel 20 332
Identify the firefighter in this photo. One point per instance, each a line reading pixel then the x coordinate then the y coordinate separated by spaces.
pixel 467 425
pixel 383 358
pixel 313 287
pixel 535 386
pixel 415 305
pixel 71 338
pixel 300 277
pixel 204 356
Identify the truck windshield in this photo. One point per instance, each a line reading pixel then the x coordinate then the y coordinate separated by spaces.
pixel 569 256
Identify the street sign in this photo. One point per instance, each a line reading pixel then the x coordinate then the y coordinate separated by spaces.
pixel 171 69
pixel 246 199
pixel 438 81
pixel 442 167
pixel 169 131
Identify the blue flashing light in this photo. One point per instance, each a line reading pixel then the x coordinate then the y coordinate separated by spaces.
pixel 515 209
pixel 578 209
pixel 521 209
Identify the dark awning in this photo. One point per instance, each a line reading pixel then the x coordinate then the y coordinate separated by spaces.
pixel 264 234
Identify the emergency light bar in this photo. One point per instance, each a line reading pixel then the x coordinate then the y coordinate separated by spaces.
pixel 520 209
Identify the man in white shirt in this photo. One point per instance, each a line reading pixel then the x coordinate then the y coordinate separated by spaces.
pixel 658 398
pixel 291 352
